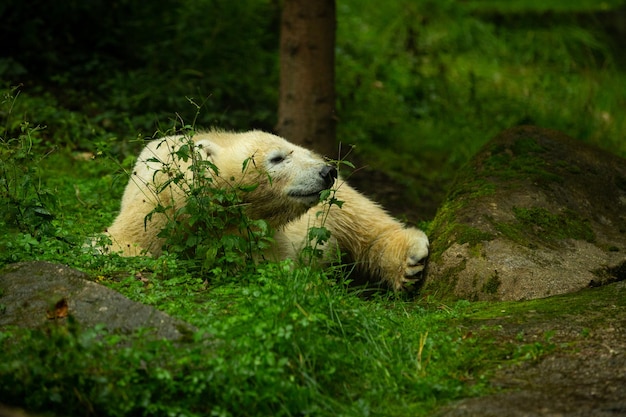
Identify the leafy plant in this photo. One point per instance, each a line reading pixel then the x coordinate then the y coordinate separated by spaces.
pixel 27 203
pixel 319 235
pixel 211 228
pixel 40 210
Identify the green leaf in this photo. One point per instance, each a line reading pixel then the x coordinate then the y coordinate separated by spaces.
pixel 248 188
pixel 334 202
pixel 183 153
pixel 347 163
pixel 324 195
pixel 319 234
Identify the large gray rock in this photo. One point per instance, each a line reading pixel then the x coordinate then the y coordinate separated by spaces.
pixel 33 294
pixel 534 214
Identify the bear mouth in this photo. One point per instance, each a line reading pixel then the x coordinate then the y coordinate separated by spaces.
pixel 309 199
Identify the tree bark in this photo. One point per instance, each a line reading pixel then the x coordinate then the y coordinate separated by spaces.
pixel 306 109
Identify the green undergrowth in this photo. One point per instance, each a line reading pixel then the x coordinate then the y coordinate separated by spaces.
pixel 281 341
pixel 448 76
pixel 274 339
pixel 504 6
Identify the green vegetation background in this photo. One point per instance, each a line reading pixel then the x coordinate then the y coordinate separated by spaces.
pixel 421 86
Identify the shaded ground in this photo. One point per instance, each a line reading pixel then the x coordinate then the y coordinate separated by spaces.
pixel 412 199
pixel 579 341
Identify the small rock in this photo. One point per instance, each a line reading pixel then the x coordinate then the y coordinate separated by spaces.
pixel 33 294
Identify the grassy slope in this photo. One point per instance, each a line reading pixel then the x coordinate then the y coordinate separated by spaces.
pixel 443 81
pixel 295 341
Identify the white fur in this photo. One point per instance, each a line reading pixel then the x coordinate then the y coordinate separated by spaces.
pixel 289 182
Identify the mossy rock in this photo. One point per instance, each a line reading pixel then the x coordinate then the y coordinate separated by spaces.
pixel 535 213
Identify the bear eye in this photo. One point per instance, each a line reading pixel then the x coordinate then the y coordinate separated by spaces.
pixel 277 159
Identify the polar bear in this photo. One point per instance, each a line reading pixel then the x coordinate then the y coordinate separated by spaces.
pixel 289 180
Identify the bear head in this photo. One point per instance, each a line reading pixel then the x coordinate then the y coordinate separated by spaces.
pixel 281 180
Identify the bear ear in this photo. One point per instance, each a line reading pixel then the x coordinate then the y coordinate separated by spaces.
pixel 207 149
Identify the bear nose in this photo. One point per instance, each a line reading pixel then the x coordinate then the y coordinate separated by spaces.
pixel 328 174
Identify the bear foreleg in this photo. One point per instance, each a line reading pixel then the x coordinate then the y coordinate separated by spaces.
pixel 380 245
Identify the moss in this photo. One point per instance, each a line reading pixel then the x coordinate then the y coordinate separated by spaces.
pixel 445 229
pixel 567 166
pixel 551 226
pixel 476 250
pixel 443 287
pixel 471 189
pixel 513 232
pixel 605 299
pixel 471 235
pixel 526 145
pixel 492 285
pixel 447 233
pixel 441 229
pixel 521 159
pixel 537 224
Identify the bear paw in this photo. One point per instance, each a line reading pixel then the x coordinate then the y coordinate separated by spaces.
pixel 402 256
pixel 416 254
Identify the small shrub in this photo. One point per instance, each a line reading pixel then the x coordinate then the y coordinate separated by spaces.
pixel 211 229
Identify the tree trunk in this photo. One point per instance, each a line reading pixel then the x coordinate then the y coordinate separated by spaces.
pixel 306 110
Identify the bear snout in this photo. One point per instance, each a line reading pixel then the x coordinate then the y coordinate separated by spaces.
pixel 329 175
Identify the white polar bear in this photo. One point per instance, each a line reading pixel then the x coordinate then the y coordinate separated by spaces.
pixel 290 180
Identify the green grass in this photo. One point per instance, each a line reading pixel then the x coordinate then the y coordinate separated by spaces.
pixel 283 342
pixel 422 88
pixel 507 6
pixel 273 340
